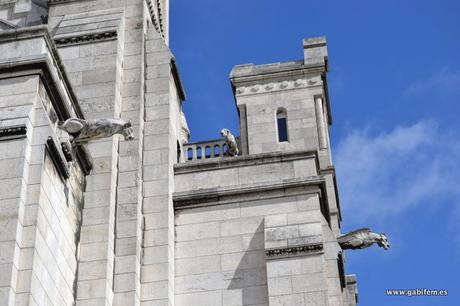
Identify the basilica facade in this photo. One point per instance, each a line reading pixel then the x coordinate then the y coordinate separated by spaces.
pixel 104 201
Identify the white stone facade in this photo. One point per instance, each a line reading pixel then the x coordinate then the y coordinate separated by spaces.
pixel 157 221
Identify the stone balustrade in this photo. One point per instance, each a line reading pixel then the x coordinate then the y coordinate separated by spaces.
pixel 205 150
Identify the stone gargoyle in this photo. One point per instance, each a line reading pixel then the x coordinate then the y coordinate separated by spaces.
pixel 85 130
pixel 230 141
pixel 362 238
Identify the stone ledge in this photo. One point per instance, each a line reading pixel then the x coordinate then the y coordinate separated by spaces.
pixel 220 196
pixel 244 161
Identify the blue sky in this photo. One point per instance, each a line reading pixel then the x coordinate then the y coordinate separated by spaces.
pixel 395 91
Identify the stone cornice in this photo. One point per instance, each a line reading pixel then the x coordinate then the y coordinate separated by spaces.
pixel 244 161
pixel 220 196
pixel 254 74
pixel 154 7
pixel 272 86
pixel 295 251
pixel 86 38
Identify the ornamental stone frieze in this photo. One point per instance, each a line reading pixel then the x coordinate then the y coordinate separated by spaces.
pixel 278 86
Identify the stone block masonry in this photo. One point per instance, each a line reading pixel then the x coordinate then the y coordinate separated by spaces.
pixel 115 222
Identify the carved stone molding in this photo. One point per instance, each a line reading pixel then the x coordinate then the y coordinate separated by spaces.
pixel 277 86
pixel 294 251
pixel 13 132
pixel 85 39
pixel 154 7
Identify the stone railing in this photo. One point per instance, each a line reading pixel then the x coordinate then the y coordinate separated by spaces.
pixel 203 150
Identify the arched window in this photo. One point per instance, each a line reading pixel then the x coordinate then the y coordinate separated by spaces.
pixel 207 152
pixel 189 153
pixel 281 121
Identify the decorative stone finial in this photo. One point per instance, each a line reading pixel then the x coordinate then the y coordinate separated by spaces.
pixel 85 130
pixel 230 141
pixel 362 238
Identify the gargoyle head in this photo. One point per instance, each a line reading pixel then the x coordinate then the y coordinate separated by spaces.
pixel 383 242
pixel 225 132
pixel 128 131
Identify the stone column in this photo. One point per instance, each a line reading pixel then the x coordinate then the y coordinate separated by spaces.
pixel 321 121
pixel 243 129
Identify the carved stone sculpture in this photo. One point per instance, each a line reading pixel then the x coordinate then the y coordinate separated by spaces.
pixel 230 141
pixel 85 130
pixel 362 238
pixel 185 132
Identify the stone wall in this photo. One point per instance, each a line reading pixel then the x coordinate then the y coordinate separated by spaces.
pixel 221 254
pixel 42 191
pixel 254 230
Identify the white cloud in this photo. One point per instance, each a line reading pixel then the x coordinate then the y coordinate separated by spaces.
pixel 440 82
pixel 390 173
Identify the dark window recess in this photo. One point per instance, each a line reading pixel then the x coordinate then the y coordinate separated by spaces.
pixel 281 121
pixel 179 152
pixel 282 130
pixel 340 265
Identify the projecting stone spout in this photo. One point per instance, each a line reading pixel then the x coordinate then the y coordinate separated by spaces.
pixel 85 130
pixel 363 238
pixel 230 141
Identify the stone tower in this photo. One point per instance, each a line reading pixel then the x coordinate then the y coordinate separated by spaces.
pixel 157 220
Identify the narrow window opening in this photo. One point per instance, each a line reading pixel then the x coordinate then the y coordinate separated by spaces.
pixel 207 151
pixel 189 153
pixel 341 268
pixel 179 152
pixel 281 120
